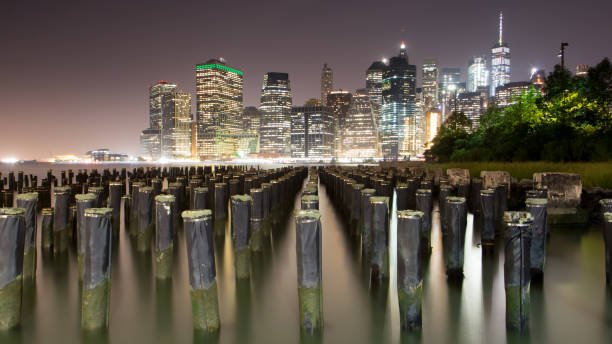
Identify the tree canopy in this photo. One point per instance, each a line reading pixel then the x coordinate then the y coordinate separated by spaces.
pixel 569 121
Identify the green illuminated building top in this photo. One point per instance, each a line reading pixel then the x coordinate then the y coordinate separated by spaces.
pixel 214 65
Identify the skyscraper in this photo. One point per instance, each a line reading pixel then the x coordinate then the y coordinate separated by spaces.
pixel 156 92
pixel 358 133
pixel 374 86
pixel 251 124
pixel 312 133
pixel 339 102
pixel 169 134
pixel 219 107
pixel 275 108
pixel 505 95
pixel 176 125
pixel 472 104
pixel 500 60
pixel 450 86
pixel 398 92
pixel 430 83
pixel 327 83
pixel 478 73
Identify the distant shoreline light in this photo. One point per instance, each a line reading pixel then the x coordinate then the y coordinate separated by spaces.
pixel 209 66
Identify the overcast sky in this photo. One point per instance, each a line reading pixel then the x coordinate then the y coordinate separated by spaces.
pixel 75 74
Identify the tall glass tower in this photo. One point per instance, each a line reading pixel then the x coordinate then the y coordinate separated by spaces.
pixel 327 83
pixel 399 95
pixel 359 134
pixel 219 108
pixel 478 73
pixel 176 126
pixel 275 109
pixel 500 60
pixel 430 83
pixel 374 87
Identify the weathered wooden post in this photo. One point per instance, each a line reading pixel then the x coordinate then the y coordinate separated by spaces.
pixel 146 219
pixel 61 223
pixel 83 202
pixel 202 273
pixel 310 202
pixel 164 226
pixel 46 235
pixel 409 276
pixel 517 276
pixel 366 223
pixel 537 208
pixel 95 301
pixel 607 235
pixel 488 211
pixel 456 211
pixel 241 235
pixel 308 247
pixel 29 202
pixel 424 204
pixel 114 202
pixel 379 258
pixel 12 238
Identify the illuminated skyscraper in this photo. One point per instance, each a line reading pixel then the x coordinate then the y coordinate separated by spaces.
pixel 358 133
pixel 374 86
pixel 312 134
pixel 339 102
pixel 430 83
pixel 500 60
pixel 327 83
pixel 505 95
pixel 176 125
pixel 219 108
pixel 398 92
pixel 478 73
pixel 251 123
pixel 169 134
pixel 472 104
pixel 450 86
pixel 156 92
pixel 275 108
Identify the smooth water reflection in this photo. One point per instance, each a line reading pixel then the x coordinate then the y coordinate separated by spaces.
pixel 570 304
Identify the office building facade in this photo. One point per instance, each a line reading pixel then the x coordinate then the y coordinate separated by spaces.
pixel 275 109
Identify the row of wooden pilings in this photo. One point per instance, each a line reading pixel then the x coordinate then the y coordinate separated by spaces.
pixel 365 197
pixel 90 223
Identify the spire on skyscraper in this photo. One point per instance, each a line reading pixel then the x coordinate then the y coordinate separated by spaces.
pixel 501 27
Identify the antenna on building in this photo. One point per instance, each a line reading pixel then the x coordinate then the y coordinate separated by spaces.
pixel 501 26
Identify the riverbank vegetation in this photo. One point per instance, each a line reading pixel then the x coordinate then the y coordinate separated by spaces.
pixel 570 120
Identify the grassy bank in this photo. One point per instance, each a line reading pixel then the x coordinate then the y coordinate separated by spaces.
pixel 593 173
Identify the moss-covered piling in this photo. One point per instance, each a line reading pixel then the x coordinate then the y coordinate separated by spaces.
pixel 29 202
pixel 309 267
pixel 146 219
pixel 202 274
pixel 164 227
pixel 61 221
pixel 12 236
pixel 409 276
pixel 83 202
pixel 95 299
pixel 241 233
pixel 517 276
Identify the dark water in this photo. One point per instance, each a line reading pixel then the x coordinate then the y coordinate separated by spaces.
pixel 570 305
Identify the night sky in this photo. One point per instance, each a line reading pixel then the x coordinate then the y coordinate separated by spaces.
pixel 74 74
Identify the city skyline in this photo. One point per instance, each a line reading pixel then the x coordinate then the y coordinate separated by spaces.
pixel 65 99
